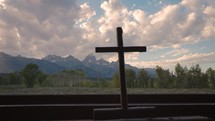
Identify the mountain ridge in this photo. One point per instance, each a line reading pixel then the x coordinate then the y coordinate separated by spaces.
pixel 94 68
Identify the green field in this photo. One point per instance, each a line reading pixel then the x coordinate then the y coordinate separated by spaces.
pixel 18 90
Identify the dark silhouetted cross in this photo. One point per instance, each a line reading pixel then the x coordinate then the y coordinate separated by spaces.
pixel 120 49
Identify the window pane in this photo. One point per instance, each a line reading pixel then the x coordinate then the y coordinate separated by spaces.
pixel 48 47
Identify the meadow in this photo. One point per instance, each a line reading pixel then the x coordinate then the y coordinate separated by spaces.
pixel 21 90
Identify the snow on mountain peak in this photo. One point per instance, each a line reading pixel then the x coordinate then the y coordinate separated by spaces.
pixel 90 58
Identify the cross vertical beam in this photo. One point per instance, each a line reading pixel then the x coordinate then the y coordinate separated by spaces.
pixel 120 49
pixel 124 99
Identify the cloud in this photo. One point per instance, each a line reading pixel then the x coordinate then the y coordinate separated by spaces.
pixel 186 23
pixel 2 5
pixel 35 28
pixel 187 59
pixel 175 52
pixel 128 57
pixel 172 26
pixel 86 12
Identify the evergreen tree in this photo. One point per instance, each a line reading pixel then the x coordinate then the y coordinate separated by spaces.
pixel 203 82
pixel 163 78
pixel 181 76
pixel 197 79
pixel 211 77
pixel 30 74
pixel 41 77
pixel 115 80
pixel 15 78
pixel 142 79
pixel 130 77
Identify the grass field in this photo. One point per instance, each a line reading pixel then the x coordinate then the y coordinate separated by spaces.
pixel 16 90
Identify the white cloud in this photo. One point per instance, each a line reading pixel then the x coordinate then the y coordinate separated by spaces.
pixel 187 59
pixel 209 10
pixel 138 15
pixel 175 52
pixel 209 29
pixel 36 28
pixel 86 12
pixel 2 5
pixel 172 26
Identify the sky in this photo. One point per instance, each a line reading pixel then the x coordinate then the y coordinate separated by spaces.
pixel 174 31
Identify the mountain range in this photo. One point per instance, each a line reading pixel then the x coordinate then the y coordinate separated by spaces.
pixel 52 64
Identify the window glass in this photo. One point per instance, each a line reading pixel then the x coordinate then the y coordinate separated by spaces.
pixel 48 47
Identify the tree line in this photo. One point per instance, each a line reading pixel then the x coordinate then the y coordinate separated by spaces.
pixel 32 76
pixel 182 77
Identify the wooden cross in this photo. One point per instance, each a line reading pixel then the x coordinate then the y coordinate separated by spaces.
pixel 120 49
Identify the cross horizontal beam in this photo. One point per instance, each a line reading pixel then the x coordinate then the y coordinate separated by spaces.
pixel 123 49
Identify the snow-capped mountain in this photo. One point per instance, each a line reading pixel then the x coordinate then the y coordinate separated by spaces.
pixel 101 66
pixel 94 68
pixel 10 64
pixel 90 59
pixel 70 62
pixel 67 62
